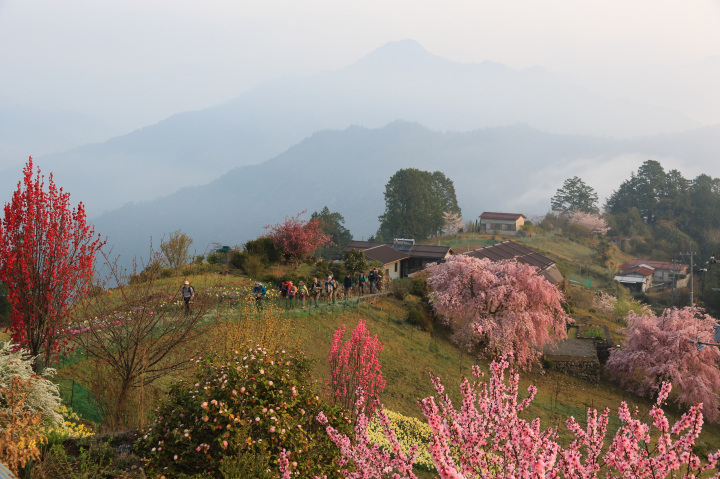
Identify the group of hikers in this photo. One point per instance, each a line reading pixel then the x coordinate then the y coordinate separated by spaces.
pixel 318 290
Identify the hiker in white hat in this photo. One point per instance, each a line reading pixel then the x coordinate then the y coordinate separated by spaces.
pixel 188 294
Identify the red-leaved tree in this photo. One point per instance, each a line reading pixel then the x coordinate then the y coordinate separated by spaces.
pixel 658 349
pixel 46 259
pixel 297 238
pixel 354 367
pixel 505 305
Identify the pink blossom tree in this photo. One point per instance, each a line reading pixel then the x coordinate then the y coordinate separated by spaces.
pixel 591 221
pixel 486 438
pixel 355 370
pixel 297 238
pixel 505 305
pixel 658 349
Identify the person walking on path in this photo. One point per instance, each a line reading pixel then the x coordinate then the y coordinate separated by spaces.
pixel 330 286
pixel 372 277
pixel 316 289
pixel 291 292
pixel 361 283
pixel 302 292
pixel 188 294
pixel 347 285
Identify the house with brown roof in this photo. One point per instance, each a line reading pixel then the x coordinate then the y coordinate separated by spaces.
pixel 406 256
pixel 389 257
pixel 510 250
pixel 501 223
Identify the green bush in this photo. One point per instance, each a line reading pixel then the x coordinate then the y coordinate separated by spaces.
pixel 253 403
pixel 400 288
pixel 253 265
pixel 264 247
pixel 237 259
pixel 419 317
pixel 419 287
pixel 213 258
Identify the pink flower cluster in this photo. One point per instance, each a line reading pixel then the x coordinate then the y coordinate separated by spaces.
pixel 486 438
pixel 368 459
pixel 354 366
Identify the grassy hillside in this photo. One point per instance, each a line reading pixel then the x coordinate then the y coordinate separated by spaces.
pixel 410 354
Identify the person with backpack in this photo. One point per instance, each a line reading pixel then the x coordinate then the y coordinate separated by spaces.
pixel 291 292
pixel 316 289
pixel 347 285
pixel 259 293
pixel 372 277
pixel 361 283
pixel 188 294
pixel 302 292
pixel 330 288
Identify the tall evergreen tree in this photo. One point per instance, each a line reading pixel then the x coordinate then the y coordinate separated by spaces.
pixel 575 195
pixel 415 201
pixel 333 224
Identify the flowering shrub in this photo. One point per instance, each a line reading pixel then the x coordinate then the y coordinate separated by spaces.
pixel 605 303
pixel 354 367
pixel 252 403
pixel 71 427
pixel 591 221
pixel 486 438
pixel 364 458
pixel 43 396
pixel 20 429
pixel 408 432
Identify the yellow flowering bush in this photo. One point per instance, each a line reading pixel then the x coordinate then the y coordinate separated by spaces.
pixel 408 431
pixel 71 427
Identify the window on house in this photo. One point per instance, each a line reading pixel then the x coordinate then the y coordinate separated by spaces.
pixel 396 267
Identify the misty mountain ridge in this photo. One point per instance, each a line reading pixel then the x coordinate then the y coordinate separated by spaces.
pixel 399 80
pixel 514 169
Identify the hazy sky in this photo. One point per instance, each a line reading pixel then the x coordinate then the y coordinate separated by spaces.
pixel 134 62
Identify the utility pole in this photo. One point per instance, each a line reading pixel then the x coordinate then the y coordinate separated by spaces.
pixel 692 280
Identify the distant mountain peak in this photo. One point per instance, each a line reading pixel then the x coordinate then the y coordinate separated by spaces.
pixel 401 53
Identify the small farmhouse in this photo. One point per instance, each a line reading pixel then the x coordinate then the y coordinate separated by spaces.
pixel 501 223
pixel 636 278
pixel 663 271
pixel 402 257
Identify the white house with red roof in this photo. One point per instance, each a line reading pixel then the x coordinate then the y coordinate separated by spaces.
pixel 501 223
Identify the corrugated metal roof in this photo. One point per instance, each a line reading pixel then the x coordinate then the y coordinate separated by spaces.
pixel 630 279
pixel 667 265
pixel 5 472
pixel 643 270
